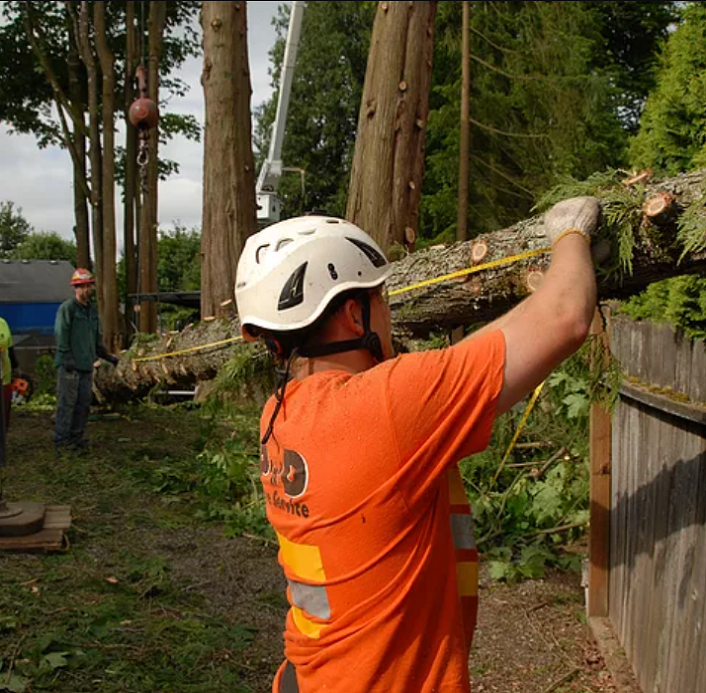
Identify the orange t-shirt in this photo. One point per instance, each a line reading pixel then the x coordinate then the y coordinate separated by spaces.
pixel 362 488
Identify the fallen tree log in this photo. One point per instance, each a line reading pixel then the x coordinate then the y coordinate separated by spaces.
pixel 643 224
pixel 653 212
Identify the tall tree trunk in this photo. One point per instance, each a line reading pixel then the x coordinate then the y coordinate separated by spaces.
pixel 89 61
pixel 130 163
pixel 148 244
pixel 76 96
pixel 229 208
pixel 386 178
pixel 111 321
pixel 465 134
pixel 73 106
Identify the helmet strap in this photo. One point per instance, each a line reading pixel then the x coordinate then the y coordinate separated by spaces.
pixel 369 341
pixel 279 396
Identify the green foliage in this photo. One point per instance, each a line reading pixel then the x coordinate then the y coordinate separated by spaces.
pixel 221 479
pixel 539 503
pixel 249 374
pixel 231 478
pixel 692 229
pixel 14 229
pixel 47 245
pixel 632 35
pixel 672 135
pixel 556 88
pixel 179 267
pixel 44 378
pixel 680 301
pixel 622 211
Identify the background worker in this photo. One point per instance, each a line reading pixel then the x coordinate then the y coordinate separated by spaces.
pixel 9 364
pixel 79 341
pixel 360 450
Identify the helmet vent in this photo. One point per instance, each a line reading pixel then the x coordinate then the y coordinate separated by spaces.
pixel 282 243
pixel 293 291
pixel 332 272
pixel 373 255
pixel 259 252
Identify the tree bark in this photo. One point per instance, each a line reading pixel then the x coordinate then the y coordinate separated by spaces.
pixel 76 96
pixel 229 207
pixel 110 317
pixel 467 301
pixel 86 52
pixel 386 177
pixel 131 57
pixel 465 133
pixel 75 139
pixel 148 243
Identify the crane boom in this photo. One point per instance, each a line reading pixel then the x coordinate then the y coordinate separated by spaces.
pixel 268 203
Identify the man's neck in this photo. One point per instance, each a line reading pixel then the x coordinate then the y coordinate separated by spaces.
pixel 348 362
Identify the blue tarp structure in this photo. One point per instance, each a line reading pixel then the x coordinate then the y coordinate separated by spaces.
pixel 31 292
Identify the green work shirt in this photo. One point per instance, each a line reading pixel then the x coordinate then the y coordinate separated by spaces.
pixel 78 335
pixel 5 344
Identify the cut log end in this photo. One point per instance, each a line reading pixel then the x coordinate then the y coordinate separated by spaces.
pixel 534 280
pixel 659 206
pixel 478 252
pixel 474 285
pixel 638 178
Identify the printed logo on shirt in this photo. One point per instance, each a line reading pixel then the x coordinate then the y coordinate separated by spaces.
pixel 292 477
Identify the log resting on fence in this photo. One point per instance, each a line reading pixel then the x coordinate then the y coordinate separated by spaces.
pixel 469 300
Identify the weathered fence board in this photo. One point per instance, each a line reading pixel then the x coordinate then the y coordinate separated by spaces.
pixel 657 601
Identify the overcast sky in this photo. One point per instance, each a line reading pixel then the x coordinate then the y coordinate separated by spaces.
pixel 40 181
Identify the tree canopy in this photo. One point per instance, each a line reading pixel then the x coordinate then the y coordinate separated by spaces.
pixel 14 229
pixel 556 91
pixel 672 136
pixel 46 245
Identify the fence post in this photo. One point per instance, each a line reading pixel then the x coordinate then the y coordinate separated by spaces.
pixel 600 427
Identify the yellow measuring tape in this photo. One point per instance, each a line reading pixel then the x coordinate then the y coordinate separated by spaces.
pixel 191 350
pixel 472 270
pixel 395 292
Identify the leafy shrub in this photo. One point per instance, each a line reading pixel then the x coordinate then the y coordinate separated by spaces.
pixel 680 301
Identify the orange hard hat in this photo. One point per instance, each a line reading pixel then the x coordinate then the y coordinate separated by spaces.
pixel 81 277
pixel 20 386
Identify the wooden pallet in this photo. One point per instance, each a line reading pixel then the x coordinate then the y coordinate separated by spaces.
pixel 51 537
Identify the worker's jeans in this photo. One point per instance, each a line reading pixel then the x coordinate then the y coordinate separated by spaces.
pixel 74 392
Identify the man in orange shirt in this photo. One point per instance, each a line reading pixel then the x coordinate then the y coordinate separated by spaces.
pixel 360 448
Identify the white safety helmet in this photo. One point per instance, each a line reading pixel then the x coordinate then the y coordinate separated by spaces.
pixel 290 272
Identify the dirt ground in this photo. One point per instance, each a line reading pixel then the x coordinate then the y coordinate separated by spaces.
pixel 532 637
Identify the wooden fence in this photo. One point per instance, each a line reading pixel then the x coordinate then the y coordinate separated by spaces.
pixel 655 581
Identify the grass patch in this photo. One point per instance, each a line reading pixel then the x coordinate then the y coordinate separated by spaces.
pixel 113 614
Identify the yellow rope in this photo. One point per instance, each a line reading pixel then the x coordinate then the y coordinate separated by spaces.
pixel 446 277
pixel 520 428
